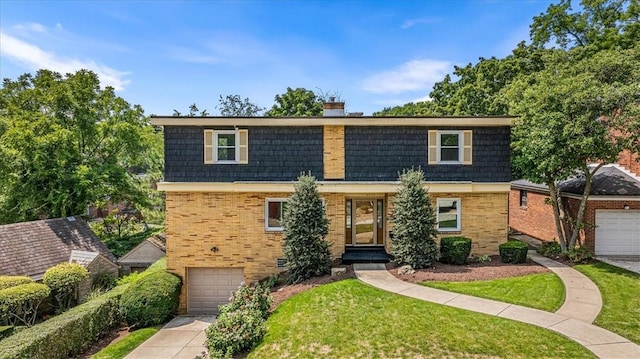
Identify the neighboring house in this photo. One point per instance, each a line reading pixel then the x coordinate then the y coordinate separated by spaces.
pixel 30 248
pixel 227 181
pixel 612 215
pixel 144 254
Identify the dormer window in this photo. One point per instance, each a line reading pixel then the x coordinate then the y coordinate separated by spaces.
pixel 226 146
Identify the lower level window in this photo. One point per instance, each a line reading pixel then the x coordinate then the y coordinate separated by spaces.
pixel 448 214
pixel 274 209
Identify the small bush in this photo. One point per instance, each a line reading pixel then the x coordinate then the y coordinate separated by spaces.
pixel 549 249
pixel 19 304
pixel 455 250
pixel 103 281
pixel 8 281
pixel 235 332
pixel 152 300
pixel 483 258
pixel 257 297
pixel 580 255
pixel 513 252
pixel 65 335
pixel 63 279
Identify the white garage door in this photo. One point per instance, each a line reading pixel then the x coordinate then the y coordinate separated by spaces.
pixel 209 287
pixel 618 233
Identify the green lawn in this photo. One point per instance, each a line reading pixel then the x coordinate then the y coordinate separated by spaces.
pixel 127 344
pixel 349 319
pixel 541 291
pixel 620 291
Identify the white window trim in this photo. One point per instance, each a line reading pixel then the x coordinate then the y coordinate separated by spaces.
pixel 236 147
pixel 266 214
pixel 458 211
pixel 460 147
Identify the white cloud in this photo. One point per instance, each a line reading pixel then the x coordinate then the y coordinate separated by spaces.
pixel 31 27
pixel 421 20
pixel 33 58
pixel 411 76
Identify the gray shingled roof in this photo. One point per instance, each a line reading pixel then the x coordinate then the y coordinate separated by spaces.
pixel 608 181
pixel 30 248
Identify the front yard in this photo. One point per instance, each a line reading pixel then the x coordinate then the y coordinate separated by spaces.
pixel 349 319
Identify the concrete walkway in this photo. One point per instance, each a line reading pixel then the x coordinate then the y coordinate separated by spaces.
pixel 571 324
pixel 182 338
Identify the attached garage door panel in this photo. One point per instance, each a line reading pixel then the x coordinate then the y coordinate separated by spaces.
pixel 618 233
pixel 210 287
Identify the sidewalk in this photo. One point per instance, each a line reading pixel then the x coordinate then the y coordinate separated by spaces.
pixel 182 338
pixel 570 323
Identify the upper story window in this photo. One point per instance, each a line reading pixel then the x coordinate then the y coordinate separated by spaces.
pixel 226 146
pixel 523 198
pixel 450 147
pixel 448 214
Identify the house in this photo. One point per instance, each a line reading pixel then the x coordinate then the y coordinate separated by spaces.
pixel 227 180
pixel 30 248
pixel 612 214
pixel 144 254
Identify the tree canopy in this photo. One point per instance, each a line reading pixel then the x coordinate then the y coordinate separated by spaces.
pixel 296 103
pixel 65 143
pixel 235 106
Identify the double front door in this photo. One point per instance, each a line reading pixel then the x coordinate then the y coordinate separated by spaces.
pixel 364 222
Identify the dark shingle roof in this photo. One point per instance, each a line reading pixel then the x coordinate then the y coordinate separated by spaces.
pixel 30 248
pixel 608 181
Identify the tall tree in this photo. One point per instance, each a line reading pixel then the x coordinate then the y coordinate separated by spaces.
pixel 235 106
pixel 580 110
pixel 305 228
pixel 602 24
pixel 414 223
pixel 65 143
pixel 193 111
pixel 296 103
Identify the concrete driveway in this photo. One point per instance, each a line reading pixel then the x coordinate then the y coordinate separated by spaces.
pixel 633 266
pixel 182 338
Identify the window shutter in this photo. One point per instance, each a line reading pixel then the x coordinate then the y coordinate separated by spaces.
pixel 208 147
pixel 243 145
pixel 468 147
pixel 433 147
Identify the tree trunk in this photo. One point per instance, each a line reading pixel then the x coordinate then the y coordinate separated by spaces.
pixel 557 206
pixel 588 177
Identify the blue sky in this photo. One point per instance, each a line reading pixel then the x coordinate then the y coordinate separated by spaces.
pixel 167 55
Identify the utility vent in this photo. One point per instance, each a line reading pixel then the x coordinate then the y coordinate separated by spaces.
pixel 281 263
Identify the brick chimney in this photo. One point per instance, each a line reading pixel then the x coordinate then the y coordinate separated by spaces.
pixel 332 108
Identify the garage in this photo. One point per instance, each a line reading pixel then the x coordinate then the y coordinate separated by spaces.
pixel 618 232
pixel 207 288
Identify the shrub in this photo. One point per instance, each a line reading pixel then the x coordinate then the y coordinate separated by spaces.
pixel 483 258
pixel 63 279
pixel 305 227
pixel 5 331
pixel 103 281
pixel 234 332
pixel 65 335
pixel 549 249
pixel 257 298
pixel 152 300
pixel 455 250
pixel 7 281
pixel 414 223
pixel 19 304
pixel 579 255
pixel 513 252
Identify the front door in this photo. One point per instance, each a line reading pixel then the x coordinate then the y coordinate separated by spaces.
pixel 364 222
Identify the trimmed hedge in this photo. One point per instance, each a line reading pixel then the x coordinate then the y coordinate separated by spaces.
pixel 513 252
pixel 63 279
pixel 65 335
pixel 152 300
pixel 8 281
pixel 455 250
pixel 19 304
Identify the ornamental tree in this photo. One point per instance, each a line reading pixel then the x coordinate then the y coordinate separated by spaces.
pixel 577 114
pixel 414 223
pixel 63 279
pixel 19 304
pixel 305 228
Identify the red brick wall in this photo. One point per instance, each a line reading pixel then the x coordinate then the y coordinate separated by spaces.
pixel 535 220
pixel 630 161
